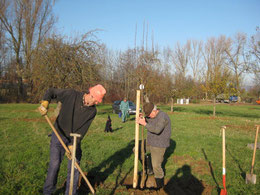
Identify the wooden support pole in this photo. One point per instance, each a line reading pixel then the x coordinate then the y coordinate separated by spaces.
pixel 135 179
pixel 142 146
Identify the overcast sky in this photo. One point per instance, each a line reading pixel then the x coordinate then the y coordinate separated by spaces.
pixel 170 21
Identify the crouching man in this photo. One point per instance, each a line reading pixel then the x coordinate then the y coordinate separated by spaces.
pixel 158 125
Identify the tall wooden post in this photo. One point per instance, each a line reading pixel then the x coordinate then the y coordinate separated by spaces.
pixel 135 179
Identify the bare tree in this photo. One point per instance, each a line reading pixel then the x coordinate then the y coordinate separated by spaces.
pixel 37 23
pixel 11 18
pixel 26 23
pixel 196 58
pixel 181 57
pixel 217 75
pixel 3 50
pixel 255 51
pixel 66 63
pixel 238 58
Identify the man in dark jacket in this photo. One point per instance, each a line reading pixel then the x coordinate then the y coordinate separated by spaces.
pixel 77 112
pixel 158 125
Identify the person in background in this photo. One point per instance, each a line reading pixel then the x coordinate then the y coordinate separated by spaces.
pixel 158 125
pixel 124 107
pixel 77 112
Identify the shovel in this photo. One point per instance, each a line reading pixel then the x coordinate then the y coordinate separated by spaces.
pixel 250 177
pixel 73 160
pixel 224 191
pixel 67 150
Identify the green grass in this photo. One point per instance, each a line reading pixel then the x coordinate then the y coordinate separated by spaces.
pixel 196 142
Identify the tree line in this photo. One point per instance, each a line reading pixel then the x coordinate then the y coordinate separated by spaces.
pixel 35 57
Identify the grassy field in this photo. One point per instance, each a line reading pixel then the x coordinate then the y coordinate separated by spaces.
pixel 192 163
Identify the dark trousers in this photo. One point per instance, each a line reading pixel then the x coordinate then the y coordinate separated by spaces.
pixel 56 156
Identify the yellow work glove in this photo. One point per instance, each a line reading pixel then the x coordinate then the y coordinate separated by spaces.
pixel 68 154
pixel 43 108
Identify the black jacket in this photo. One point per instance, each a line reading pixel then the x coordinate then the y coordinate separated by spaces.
pixel 73 116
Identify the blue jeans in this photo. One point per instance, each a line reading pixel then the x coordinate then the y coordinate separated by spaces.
pixel 56 156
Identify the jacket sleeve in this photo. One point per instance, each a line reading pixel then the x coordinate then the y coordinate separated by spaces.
pixel 156 126
pixel 58 94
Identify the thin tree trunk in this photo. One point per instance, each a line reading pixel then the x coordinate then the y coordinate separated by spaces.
pixel 171 104
pixel 214 107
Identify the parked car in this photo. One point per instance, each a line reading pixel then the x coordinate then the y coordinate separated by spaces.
pixel 116 107
pixel 222 98
pixel 233 98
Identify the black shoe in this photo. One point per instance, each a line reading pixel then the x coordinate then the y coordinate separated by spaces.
pixel 148 165
pixel 159 182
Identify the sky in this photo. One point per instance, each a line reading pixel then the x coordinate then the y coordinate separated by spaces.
pixel 166 21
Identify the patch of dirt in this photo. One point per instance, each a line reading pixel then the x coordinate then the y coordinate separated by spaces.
pixel 197 166
pixel 176 113
pixel 211 118
pixel 254 108
pixel 181 183
pixel 175 185
pixel 40 119
pixel 240 104
pixel 245 127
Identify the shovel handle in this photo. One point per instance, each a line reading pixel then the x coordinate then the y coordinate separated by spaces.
pixel 57 134
pixel 67 150
pixel 253 160
pixel 74 135
pixel 224 149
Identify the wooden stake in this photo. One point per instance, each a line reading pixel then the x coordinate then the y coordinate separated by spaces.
pixel 135 179
pixel 253 160
pixel 142 147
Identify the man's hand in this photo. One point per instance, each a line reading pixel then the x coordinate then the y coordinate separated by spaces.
pixel 141 121
pixel 43 108
pixel 68 154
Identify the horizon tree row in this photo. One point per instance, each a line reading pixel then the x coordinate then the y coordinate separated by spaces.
pixel 35 57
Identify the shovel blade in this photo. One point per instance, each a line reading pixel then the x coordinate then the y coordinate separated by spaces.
pixel 223 192
pixel 250 178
